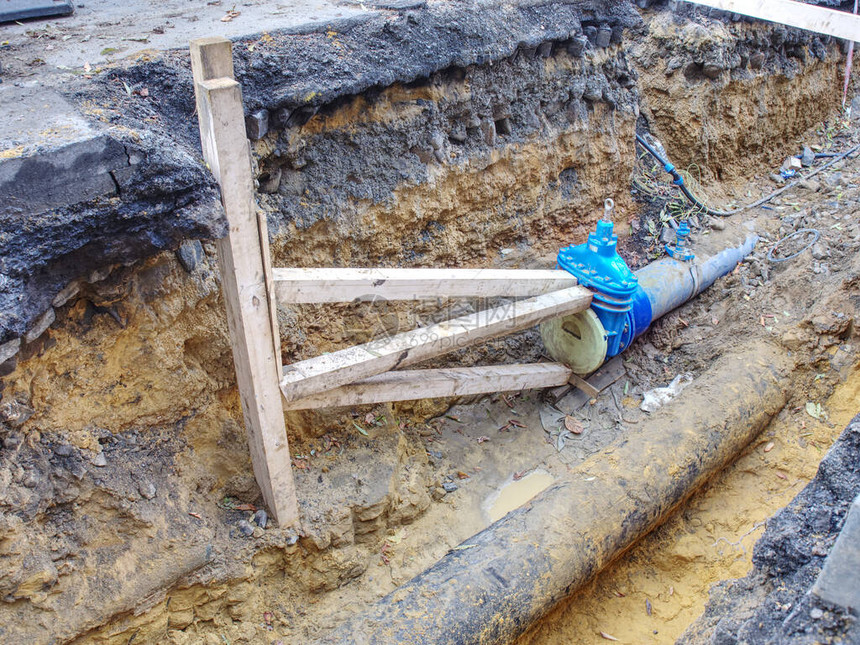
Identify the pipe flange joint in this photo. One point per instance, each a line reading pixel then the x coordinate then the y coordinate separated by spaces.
pixel 681 254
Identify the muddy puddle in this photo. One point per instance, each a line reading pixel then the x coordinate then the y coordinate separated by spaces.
pixel 659 587
pixel 516 493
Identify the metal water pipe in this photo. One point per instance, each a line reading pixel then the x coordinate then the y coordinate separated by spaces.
pixel 626 303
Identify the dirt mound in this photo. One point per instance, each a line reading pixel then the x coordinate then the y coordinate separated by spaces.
pixel 773 604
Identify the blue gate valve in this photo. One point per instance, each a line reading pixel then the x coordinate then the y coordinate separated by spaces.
pixel 625 303
pixel 620 309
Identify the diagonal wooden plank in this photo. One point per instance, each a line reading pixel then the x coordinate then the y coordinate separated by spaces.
pixel 333 370
pixel 317 285
pixel 435 383
pixel 794 14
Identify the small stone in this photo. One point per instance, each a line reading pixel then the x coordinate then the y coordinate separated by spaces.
pixel 816 613
pixel 593 91
pixel 77 469
pixel 450 487
pixel 712 71
pixel 757 60
pixel 245 528
pixel 31 480
pixel 99 274
pixel 833 180
pixel 717 223
pixel 261 518
pixel 282 117
pixel 257 124
pixel 790 163
pixel 15 414
pixel 13 440
pixel 528 51
pixel 269 182
pixel 7 367
pixel 603 37
pixel 437 141
pixel 807 158
pixel 821 517
pixel 100 461
pixel 667 235
pixel 577 46
pixel 41 326
pixel 777 179
pixel 590 32
pixel 9 349
pixel 64 450
pixel 488 127
pixel 190 254
pixel 258 532
pixel 69 292
pixel 301 116
pixel 809 184
pixel 819 251
pixel 146 489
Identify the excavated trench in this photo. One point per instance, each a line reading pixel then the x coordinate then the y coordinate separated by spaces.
pixel 476 135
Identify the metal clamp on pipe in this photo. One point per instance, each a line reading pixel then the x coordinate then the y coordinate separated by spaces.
pixel 626 303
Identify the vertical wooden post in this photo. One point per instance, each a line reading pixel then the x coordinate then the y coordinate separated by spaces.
pixel 243 255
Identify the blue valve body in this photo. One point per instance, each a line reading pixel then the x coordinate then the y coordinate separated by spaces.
pixel 620 303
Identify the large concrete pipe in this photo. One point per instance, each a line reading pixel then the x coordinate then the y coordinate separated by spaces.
pixel 626 303
pixel 503 579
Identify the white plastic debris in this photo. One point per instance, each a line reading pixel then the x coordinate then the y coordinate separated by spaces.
pixel 658 397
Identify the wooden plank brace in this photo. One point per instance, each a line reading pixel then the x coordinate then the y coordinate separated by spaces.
pixel 345 366
pixel 794 14
pixel 406 385
pixel 320 285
